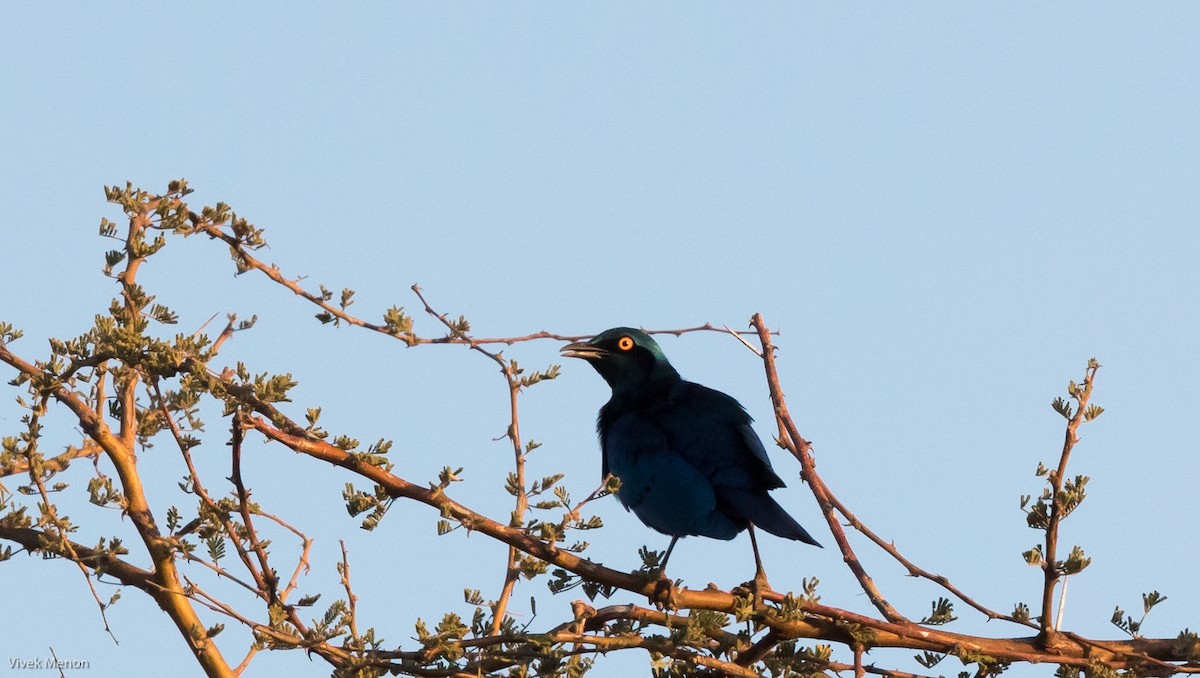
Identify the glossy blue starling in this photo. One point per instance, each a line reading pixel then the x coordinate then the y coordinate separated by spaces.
pixel 687 458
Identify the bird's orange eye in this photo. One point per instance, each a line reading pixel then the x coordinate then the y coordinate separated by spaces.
pixel 625 343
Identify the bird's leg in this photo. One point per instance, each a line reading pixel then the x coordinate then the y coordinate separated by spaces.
pixel 760 575
pixel 757 586
pixel 664 588
pixel 662 569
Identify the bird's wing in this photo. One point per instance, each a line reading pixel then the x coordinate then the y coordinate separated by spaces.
pixel 713 432
pixel 754 444
pixel 666 490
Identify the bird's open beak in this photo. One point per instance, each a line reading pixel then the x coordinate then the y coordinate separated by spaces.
pixel 582 349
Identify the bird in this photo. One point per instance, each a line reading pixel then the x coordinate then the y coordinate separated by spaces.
pixel 688 460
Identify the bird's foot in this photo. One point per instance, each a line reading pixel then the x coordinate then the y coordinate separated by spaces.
pixel 760 583
pixel 665 593
pixel 758 588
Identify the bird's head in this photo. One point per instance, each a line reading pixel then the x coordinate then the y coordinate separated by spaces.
pixel 625 357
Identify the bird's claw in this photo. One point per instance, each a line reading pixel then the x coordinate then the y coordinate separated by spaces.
pixel 760 583
pixel 757 588
pixel 665 594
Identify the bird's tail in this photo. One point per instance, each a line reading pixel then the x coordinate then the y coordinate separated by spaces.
pixel 759 508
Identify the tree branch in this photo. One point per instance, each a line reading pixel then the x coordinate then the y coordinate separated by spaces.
pixel 802 450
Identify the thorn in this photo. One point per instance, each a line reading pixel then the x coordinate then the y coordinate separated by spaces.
pixel 746 343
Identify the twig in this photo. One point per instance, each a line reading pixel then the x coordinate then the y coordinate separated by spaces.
pixel 205 324
pixel 328 651
pixel 250 654
pixel 1081 394
pixel 249 260
pixel 738 336
pixel 802 450
pixel 57 663
pixel 55 464
pixel 302 564
pixel 50 511
pixel 351 599
pixel 269 579
pixel 917 571
pixel 225 333
pixel 511 570
pixel 231 531
pixel 573 513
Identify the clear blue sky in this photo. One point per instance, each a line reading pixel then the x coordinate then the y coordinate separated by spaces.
pixel 946 208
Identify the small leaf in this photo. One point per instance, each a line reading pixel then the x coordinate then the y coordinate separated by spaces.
pixel 943 613
pixel 1034 556
pixel 1062 407
pixel 1151 599
pixel 929 659
pixel 1076 562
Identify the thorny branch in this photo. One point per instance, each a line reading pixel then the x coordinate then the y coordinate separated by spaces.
pixel 1082 394
pixel 58 527
pixel 60 462
pixel 248 261
pixel 512 571
pixel 791 439
pixel 802 449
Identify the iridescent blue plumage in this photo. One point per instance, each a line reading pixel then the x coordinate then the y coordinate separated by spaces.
pixel 688 460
